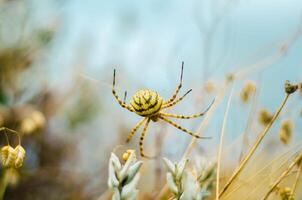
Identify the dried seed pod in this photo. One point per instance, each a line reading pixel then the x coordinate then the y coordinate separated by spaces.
pixel 247 91
pixel 290 88
pixel 34 122
pixel 4 153
pixel 285 132
pixel 264 117
pixel 286 193
pixel 28 126
pixel 20 156
pixel 8 155
pixel 230 78
pixel 39 119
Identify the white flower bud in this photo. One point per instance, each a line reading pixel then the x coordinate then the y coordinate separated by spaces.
pixel 130 187
pixel 172 185
pixel 116 194
pixel 169 165
pixel 133 171
pixel 180 168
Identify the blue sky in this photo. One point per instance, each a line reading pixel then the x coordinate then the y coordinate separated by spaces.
pixel 147 40
pixel 156 36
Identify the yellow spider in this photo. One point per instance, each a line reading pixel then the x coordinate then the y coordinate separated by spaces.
pixel 150 105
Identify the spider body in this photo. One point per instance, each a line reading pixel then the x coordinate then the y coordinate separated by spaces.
pixel 150 105
pixel 146 103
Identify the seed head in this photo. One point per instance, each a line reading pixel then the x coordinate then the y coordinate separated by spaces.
pixel 209 87
pixel 264 117
pixel 8 155
pixel 12 157
pixel 286 193
pixel 230 78
pixel 247 91
pixel 33 123
pixel 20 156
pixel 290 88
pixel 286 131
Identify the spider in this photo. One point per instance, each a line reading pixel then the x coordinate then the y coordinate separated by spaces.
pixel 150 106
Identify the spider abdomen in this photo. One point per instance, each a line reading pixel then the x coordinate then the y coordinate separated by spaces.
pixel 146 102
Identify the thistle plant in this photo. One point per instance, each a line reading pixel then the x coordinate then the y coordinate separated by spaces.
pixel 175 177
pixel 123 178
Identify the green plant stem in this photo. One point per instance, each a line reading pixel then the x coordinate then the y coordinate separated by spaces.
pixel 254 147
pixel 4 183
pixel 284 174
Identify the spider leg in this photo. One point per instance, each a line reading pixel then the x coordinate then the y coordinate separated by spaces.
pixel 122 103
pixel 135 129
pixel 141 140
pixel 178 87
pixel 125 97
pixel 181 116
pixel 188 117
pixel 176 101
pixel 181 128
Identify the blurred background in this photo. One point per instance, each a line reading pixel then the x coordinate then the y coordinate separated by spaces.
pixel 56 65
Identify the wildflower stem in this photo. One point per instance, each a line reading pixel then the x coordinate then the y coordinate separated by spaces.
pixel 284 174
pixel 221 143
pixel 254 147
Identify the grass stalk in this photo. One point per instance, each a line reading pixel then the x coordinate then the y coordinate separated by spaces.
pixel 283 175
pixel 221 143
pixel 297 180
pixel 270 163
pixel 254 147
